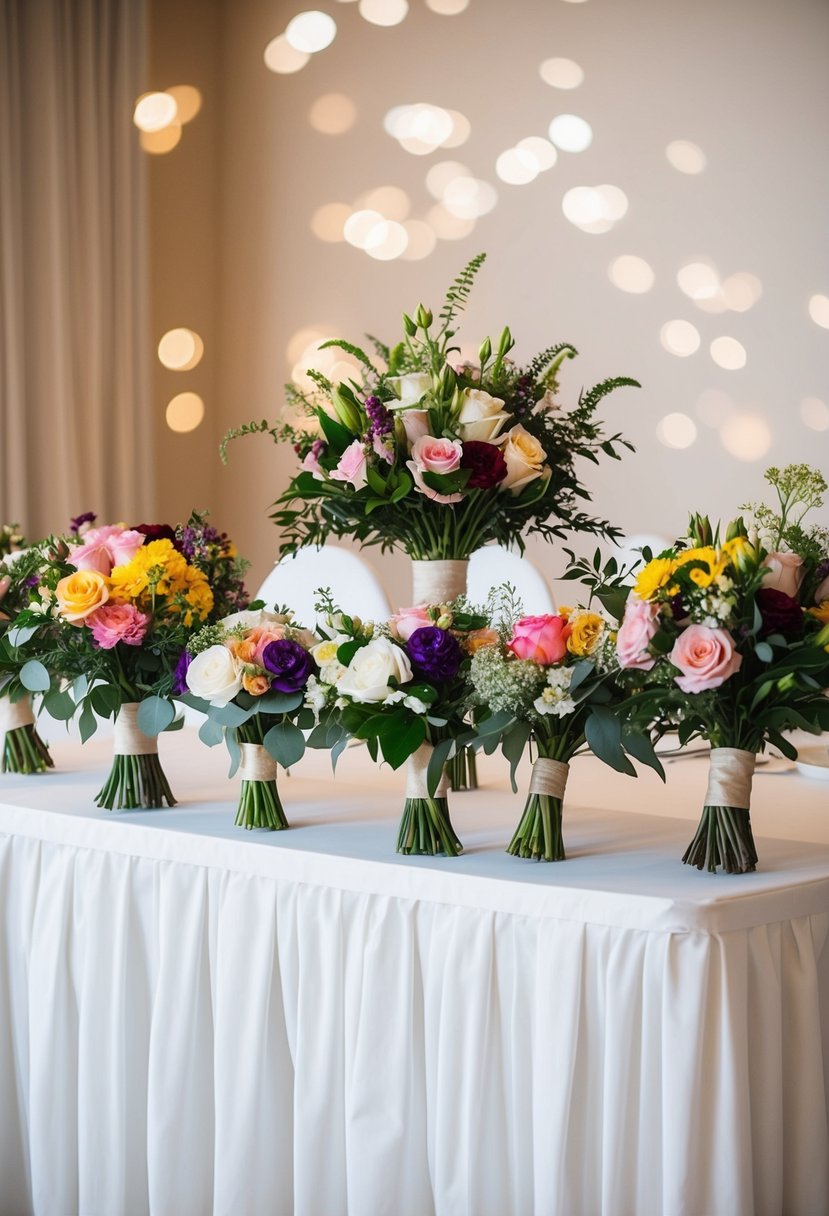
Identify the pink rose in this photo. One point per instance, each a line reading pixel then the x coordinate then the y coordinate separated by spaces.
pixel 407 620
pixel 415 424
pixel 352 466
pixel 431 455
pixel 635 634
pixel 116 623
pixel 105 547
pixel 784 573
pixel 706 657
pixel 540 638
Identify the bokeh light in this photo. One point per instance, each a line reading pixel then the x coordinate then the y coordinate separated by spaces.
pixel 469 197
pixel 698 280
pixel 154 111
pixel 448 227
pixel 819 310
pixel 386 240
pixel 685 156
pixel 184 412
pixel 561 73
pixel 632 274
pixel 571 133
pixel 447 8
pixel 676 431
pixel 311 32
pixel 328 221
pixel 422 240
pixel 746 436
pixel 358 226
pixel 392 202
pixel 159 142
pixel 384 12
pixel 679 338
pixel 180 349
pixel 540 149
pixel 309 337
pixel 188 101
pixel 728 353
pixel 441 174
pixel 283 58
pixel 332 114
pixel 814 413
pixel 461 130
pixel 594 209
pixel 741 291
pixel 517 167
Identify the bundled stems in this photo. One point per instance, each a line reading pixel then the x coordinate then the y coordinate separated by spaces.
pixel 462 770
pixel 425 827
pixel 136 779
pixel 539 834
pixel 259 803
pixel 723 839
pixel 24 751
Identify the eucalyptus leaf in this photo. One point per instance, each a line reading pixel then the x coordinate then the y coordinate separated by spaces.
pixel 87 723
pixel 286 743
pixel 21 635
pixel 154 715
pixel 278 702
pixel 106 700
pixel 34 677
pixel 764 652
pixel 59 704
pixel 230 714
pixel 603 732
pixel 512 747
pixel 210 732
pixel 235 751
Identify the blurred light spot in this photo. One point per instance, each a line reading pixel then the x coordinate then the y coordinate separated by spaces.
pixel 815 413
pixel 448 227
pixel 384 12
pixel 630 273
pixel 461 130
pixel 728 353
pixel 713 407
pixel 561 73
pixel 392 202
pixel 281 57
pixel 741 291
pixel 469 197
pixel 311 32
pixel 574 1
pixel 540 149
pixel 328 222
pixel 332 114
pixel 180 349
pixel 158 142
pixel 343 369
pixel 441 174
pixel 679 338
pixel 154 111
pixel 422 240
pixel 594 209
pixel 303 339
pixel 185 412
pixel 517 167
pixel 698 280
pixel 571 133
pixel 615 202
pixel 746 436
pixel 188 101
pixel 332 362
pixel 386 240
pixel 447 8
pixel 819 310
pixel 685 156
pixel 358 225
pixel 676 431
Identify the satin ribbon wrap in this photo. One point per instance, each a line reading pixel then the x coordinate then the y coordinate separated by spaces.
pixel 129 739
pixel 14 714
pixel 436 582
pixel 416 770
pixel 549 777
pixel 257 763
pixel 729 777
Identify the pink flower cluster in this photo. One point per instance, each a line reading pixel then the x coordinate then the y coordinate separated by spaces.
pixel 106 547
pixel 114 623
pixel 705 656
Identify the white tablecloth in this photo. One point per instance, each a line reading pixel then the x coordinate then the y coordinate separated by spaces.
pixel 195 1019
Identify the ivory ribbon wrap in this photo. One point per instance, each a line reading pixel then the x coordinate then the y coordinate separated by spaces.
pixel 416 767
pixel 13 715
pixel 549 777
pixel 129 740
pixel 439 581
pixel 729 777
pixel 257 763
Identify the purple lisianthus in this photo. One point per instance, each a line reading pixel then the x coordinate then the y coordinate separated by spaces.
pixel 436 655
pixel 289 663
pixel 780 613
pixel 180 673
pixel 76 524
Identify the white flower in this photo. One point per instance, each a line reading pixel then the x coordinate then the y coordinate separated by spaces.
pixel 395 697
pixel 416 705
pixel 554 701
pixel 548 401
pixel 409 388
pixel 481 416
pixel 525 459
pixel 331 673
pixel 368 675
pixel 253 619
pixel 326 652
pixel 215 675
pixel 315 697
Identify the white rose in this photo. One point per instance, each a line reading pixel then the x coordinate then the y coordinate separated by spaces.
pixel 256 618
pixel 525 459
pixel 326 652
pixel 409 388
pixel 366 679
pixel 215 676
pixel 481 416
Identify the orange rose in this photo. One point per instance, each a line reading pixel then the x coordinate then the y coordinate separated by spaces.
pixel 244 650
pixel 478 638
pixel 257 686
pixel 81 594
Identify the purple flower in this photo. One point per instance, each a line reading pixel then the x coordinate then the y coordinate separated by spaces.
pixel 289 663
pixel 180 673
pixel 436 655
pixel 780 613
pixel 78 522
pixel 380 419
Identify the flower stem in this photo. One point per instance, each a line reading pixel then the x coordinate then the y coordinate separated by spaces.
pixel 425 828
pixel 24 751
pixel 723 840
pixel 135 782
pixel 462 770
pixel 539 834
pixel 260 807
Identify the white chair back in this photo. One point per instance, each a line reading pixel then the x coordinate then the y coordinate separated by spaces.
pixel 627 553
pixel 492 565
pixel 296 579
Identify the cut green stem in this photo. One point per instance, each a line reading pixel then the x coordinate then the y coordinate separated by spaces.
pixel 24 751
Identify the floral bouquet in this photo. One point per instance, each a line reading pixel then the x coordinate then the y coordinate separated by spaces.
pixel 424 452
pixel 249 673
pixel 550 683
pixel 404 687
pixel 107 617
pixel 728 640
pixel 23 749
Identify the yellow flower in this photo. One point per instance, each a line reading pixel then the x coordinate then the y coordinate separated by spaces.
pixel 325 652
pixel 713 563
pixel 741 552
pixel 654 577
pixel 477 639
pixel 80 594
pixel 565 612
pixel 821 612
pixel 586 629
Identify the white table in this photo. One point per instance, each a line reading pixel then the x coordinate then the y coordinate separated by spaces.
pixel 195 1019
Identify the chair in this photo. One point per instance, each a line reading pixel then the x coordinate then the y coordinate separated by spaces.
pixel 492 565
pixel 296 579
pixel 627 553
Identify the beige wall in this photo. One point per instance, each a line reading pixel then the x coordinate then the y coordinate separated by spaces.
pixel 234 255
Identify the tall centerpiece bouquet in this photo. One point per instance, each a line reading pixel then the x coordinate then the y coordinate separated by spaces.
pixel 403 686
pixel 424 452
pixel 726 638
pixel 549 684
pixel 24 751
pixel 249 674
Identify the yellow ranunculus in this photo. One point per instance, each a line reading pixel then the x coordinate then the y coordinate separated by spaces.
pixel 80 594
pixel 654 577
pixel 586 629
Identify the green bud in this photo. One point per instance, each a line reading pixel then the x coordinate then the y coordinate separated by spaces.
pixel 444 621
pixel 787 683
pixel 409 325
pixel 736 528
pixel 447 383
pixel 484 351
pixel 346 411
pixel 423 316
pixel 505 342
pixel 822 638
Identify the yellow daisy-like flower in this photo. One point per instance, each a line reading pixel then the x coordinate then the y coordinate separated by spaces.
pixel 821 612
pixel 656 575
pixel 713 563
pixel 586 633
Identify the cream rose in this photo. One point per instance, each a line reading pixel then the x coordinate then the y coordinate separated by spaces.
pixel 409 388
pixel 784 572
pixel 215 676
pixel 525 458
pixel 256 618
pixel 366 679
pixel 481 416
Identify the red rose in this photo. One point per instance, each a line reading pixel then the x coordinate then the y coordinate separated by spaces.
pixel 486 462
pixel 780 613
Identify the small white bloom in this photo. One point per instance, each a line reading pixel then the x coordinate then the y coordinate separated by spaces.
pixel 315 697
pixel 395 697
pixel 416 705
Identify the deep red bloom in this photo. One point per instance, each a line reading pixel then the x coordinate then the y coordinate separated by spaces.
pixel 780 613
pixel 486 462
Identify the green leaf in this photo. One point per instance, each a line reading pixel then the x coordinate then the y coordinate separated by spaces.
pixel 106 700
pixel 338 436
pixel 22 634
pixel 603 732
pixel 154 715
pixel 348 650
pixel 337 750
pixel 234 750
pixel 437 760
pixel 278 702
pixel 398 746
pixel 286 743
pixel 404 487
pixel 59 704
pixel 638 745
pixel 764 652
pixel 199 703
pixel 176 724
pixel 512 747
pixel 230 714
pixel 87 723
pixel 762 692
pixel 210 732
pixel 581 672
pixel 34 677
pixel 783 745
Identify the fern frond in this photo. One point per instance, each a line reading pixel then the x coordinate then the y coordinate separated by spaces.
pixel 540 365
pixel 458 293
pixel 350 349
pixel 588 401
pixel 380 348
pixel 247 428
pixel 320 380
